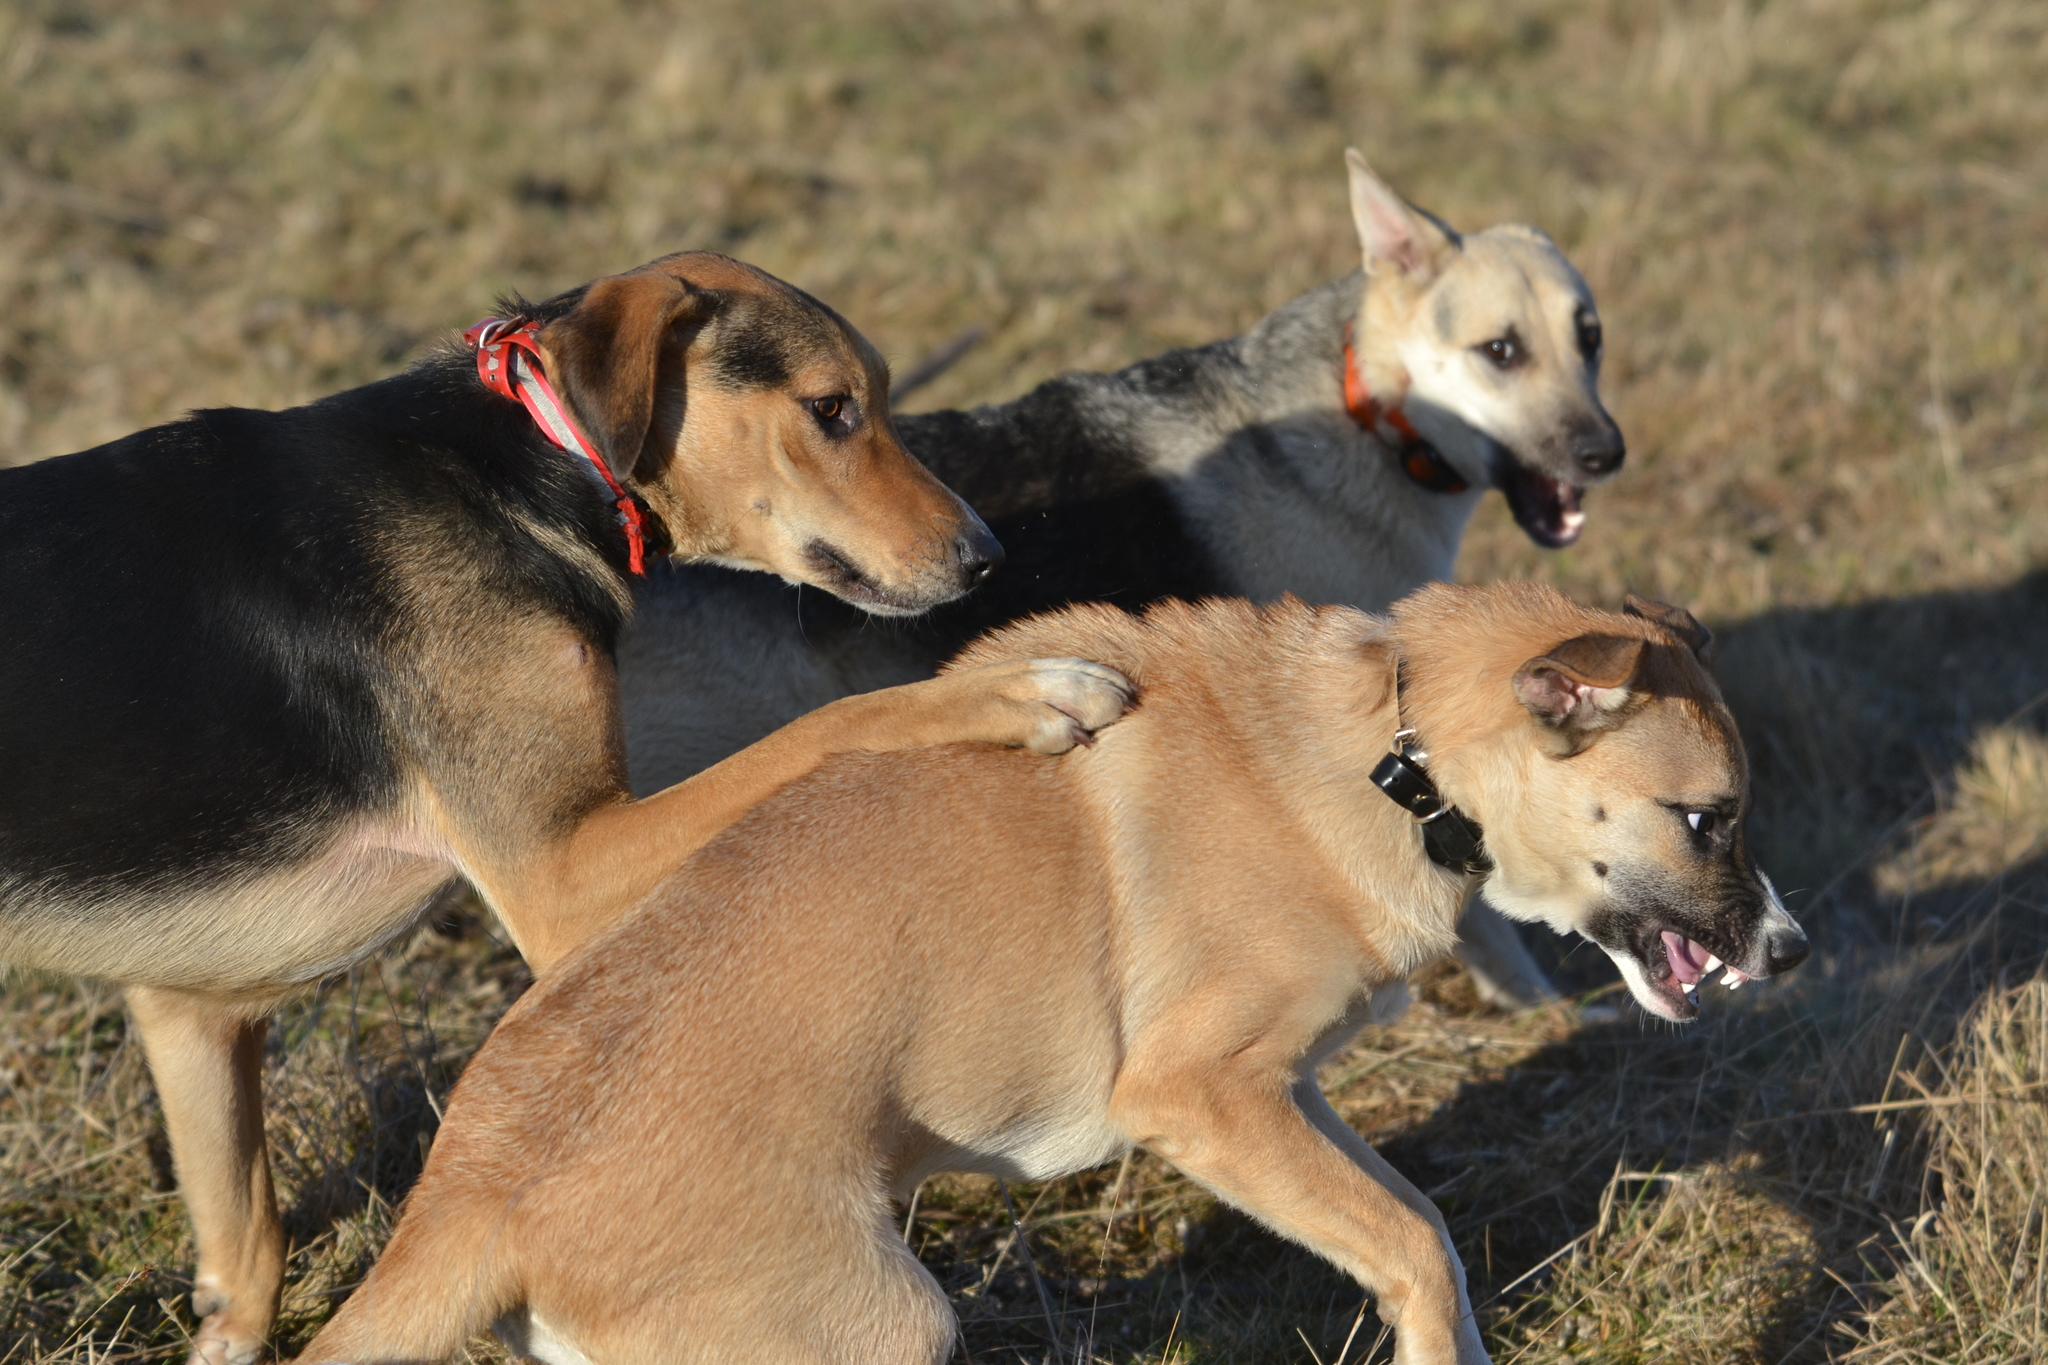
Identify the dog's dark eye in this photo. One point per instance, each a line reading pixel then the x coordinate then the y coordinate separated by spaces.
pixel 1703 822
pixel 1505 351
pixel 1589 336
pixel 834 413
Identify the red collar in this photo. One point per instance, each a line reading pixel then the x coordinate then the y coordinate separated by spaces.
pixel 1419 459
pixel 502 362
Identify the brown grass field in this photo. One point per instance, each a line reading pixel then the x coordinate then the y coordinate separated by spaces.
pixel 1815 228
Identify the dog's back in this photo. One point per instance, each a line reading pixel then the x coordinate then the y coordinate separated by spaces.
pixel 139 738
pixel 210 643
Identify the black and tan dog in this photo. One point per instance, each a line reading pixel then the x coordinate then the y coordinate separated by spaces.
pixel 955 960
pixel 270 680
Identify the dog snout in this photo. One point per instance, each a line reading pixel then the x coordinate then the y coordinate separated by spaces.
pixel 978 552
pixel 1599 451
pixel 1785 947
pixel 1784 942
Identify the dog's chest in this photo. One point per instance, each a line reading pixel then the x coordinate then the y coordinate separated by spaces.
pixel 1042 1148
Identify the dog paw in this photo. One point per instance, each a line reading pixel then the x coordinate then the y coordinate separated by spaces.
pixel 1046 705
pixel 218 1344
pixel 1079 698
pixel 223 1338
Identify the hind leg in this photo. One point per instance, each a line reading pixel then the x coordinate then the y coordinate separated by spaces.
pixel 207 1059
pixel 887 1310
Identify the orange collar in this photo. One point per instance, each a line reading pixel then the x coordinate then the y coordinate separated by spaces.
pixel 508 361
pixel 1419 459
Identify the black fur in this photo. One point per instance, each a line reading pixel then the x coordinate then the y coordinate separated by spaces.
pixel 517 308
pixel 753 355
pixel 199 621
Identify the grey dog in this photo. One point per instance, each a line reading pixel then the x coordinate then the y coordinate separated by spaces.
pixel 1335 451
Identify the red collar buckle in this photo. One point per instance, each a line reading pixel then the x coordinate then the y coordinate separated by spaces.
pixel 1418 459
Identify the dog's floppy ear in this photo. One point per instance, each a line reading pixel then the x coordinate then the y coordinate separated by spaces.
pixel 1677 620
pixel 605 356
pixel 1580 687
pixel 1392 231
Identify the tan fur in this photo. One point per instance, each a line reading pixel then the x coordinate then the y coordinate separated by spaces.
pixel 508 731
pixel 684 1143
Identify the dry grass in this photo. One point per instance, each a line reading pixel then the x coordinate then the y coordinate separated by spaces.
pixel 1996 817
pixel 1969 1283
pixel 1814 228
pixel 93 1243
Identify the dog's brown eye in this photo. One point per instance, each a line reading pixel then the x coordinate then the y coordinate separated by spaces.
pixel 1589 337
pixel 1505 351
pixel 1703 822
pixel 835 413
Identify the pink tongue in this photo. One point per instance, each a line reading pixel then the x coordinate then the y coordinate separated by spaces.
pixel 1688 959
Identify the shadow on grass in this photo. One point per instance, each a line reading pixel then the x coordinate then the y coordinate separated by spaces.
pixel 1855 717
pixel 1772 1095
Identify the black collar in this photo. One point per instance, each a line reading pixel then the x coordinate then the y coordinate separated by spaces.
pixel 1450 837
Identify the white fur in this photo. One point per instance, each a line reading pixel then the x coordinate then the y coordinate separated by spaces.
pixel 527 1335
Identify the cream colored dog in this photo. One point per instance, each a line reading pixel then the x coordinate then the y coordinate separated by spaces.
pixel 683 1145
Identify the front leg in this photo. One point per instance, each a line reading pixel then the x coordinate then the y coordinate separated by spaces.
pixel 1503 969
pixel 1315 1107
pixel 619 852
pixel 1273 1147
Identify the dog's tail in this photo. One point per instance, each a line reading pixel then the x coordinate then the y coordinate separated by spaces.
pixel 441 1281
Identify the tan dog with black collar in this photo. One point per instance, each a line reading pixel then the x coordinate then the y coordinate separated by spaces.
pixel 685 1144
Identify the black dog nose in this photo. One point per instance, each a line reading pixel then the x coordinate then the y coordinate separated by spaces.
pixel 1599 456
pixel 979 552
pixel 1785 949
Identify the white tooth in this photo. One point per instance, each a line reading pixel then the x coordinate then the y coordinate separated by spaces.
pixel 1692 996
pixel 1712 963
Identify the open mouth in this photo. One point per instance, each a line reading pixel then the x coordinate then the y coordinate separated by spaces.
pixel 1546 508
pixel 1676 974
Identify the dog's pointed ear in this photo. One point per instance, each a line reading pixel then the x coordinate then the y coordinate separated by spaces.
pixel 1392 232
pixel 1580 688
pixel 605 357
pixel 1677 620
